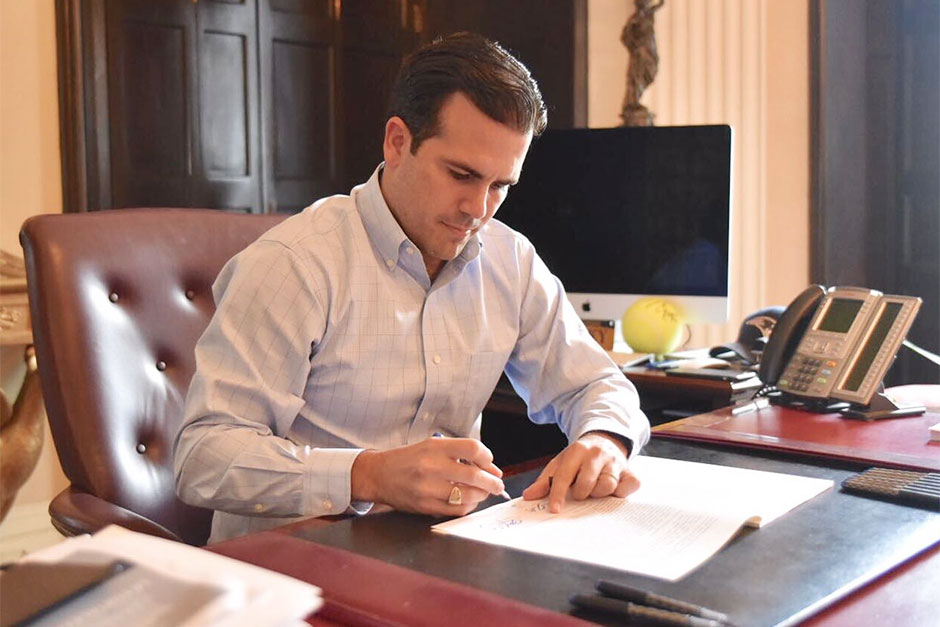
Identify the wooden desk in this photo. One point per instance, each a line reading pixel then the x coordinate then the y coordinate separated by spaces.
pixel 794 567
pixel 894 442
pixel 906 596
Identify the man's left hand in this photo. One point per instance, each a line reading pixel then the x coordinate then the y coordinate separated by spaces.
pixel 594 465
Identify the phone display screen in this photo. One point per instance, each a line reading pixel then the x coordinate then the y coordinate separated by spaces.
pixel 840 315
pixel 870 349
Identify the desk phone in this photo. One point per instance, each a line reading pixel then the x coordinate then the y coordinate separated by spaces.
pixel 845 348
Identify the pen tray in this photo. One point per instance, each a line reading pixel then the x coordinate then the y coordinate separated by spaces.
pixel 901 486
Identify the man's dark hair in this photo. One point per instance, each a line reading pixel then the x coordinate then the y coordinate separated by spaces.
pixel 495 82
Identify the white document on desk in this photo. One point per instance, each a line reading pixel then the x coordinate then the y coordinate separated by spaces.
pixel 172 579
pixel 683 513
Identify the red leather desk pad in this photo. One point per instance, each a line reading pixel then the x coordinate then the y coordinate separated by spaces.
pixel 905 596
pixel 363 591
pixel 894 442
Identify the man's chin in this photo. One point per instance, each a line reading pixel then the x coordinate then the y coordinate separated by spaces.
pixel 449 253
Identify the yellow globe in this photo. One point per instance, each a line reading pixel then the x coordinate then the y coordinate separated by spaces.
pixel 653 325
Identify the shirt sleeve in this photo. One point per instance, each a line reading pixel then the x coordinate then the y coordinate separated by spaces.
pixel 562 373
pixel 233 452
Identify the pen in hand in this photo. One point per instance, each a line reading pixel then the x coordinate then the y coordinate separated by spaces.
pixel 503 494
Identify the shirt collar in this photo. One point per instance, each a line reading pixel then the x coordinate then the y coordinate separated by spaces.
pixel 383 229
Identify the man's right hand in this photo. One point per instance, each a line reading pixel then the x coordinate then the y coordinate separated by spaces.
pixel 420 477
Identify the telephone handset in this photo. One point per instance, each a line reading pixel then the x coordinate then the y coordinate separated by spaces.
pixel 787 333
pixel 837 343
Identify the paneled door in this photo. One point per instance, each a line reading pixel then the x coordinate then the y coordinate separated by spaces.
pixel 326 71
pixel 183 103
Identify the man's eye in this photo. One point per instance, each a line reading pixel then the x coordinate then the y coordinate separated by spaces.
pixel 460 176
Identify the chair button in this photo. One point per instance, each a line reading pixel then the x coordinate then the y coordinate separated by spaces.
pixel 113 297
pixel 190 294
pixel 161 365
pixel 141 448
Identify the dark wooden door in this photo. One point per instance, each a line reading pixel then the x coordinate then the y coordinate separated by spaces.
pixel 298 45
pixel 183 104
pixel 150 65
pixel 376 34
pixel 227 134
pixel 265 105
pixel 327 68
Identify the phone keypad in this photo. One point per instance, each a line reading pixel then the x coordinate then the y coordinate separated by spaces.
pixel 807 375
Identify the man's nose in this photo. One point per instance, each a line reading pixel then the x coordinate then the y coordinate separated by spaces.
pixel 474 205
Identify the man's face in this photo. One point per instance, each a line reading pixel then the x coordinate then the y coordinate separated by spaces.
pixel 455 182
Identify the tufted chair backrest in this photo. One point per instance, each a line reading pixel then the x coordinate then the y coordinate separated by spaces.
pixel 118 299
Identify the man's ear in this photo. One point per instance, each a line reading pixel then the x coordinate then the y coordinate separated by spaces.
pixel 397 140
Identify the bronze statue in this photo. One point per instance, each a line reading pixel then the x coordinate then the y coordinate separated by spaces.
pixel 22 425
pixel 639 37
pixel 21 435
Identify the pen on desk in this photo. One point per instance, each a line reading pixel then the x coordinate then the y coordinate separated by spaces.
pixel 756 405
pixel 626 593
pixel 503 494
pixel 635 612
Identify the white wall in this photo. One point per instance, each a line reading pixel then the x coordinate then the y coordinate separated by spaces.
pixel 30 183
pixel 30 177
pixel 744 63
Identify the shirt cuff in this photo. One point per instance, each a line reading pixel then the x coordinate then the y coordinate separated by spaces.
pixel 327 484
pixel 635 439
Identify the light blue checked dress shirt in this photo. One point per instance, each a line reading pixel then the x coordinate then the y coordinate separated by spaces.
pixel 330 338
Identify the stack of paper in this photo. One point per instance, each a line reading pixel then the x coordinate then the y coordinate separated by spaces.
pixel 168 583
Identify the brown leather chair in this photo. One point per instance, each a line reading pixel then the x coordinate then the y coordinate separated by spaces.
pixel 118 299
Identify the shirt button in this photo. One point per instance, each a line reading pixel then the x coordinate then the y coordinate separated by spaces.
pixel 259 507
pixel 426 415
pixel 328 505
pixel 436 359
pixel 390 262
pixel 410 250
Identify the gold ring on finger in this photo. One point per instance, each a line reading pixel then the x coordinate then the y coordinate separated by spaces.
pixel 456 496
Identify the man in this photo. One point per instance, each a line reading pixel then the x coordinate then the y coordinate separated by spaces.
pixel 348 335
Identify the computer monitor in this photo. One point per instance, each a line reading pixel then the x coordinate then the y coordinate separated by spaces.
pixel 622 213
